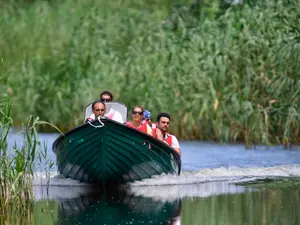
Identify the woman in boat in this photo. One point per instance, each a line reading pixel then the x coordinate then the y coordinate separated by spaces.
pixel 136 123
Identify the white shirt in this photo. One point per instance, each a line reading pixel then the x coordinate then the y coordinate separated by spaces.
pixel 175 142
pixel 116 115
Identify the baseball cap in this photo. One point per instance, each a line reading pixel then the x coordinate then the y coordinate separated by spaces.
pixel 147 115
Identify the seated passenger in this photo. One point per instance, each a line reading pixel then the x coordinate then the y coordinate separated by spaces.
pixel 147 118
pixel 137 116
pixel 110 113
pixel 163 123
pixel 98 109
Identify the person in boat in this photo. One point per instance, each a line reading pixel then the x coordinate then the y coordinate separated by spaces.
pixel 137 116
pixel 106 96
pixel 98 109
pixel 163 123
pixel 147 118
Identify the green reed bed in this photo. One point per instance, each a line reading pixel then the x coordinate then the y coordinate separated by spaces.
pixel 16 168
pixel 225 72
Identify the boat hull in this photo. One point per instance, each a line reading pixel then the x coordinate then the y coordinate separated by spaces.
pixel 113 153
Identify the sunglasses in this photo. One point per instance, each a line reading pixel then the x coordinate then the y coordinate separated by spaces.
pixel 99 110
pixel 137 113
pixel 105 100
pixel 148 119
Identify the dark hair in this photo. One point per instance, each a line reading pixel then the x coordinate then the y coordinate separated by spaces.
pixel 95 102
pixel 107 93
pixel 163 114
pixel 138 106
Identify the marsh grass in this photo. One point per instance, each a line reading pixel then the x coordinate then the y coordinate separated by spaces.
pixel 224 72
pixel 17 166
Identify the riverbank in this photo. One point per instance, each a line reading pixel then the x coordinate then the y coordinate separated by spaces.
pixel 224 72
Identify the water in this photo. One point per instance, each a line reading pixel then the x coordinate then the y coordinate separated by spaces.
pixel 220 184
pixel 207 203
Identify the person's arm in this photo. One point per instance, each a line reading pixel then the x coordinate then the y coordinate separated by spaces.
pixel 175 145
pixel 149 130
pixel 159 134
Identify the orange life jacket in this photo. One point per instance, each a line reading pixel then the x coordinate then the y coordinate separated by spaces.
pixel 142 127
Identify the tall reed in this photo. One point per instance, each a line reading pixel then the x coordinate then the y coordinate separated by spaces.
pixel 230 71
pixel 17 166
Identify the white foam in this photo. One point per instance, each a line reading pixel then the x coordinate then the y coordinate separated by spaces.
pixel 172 192
pixel 202 183
pixel 230 174
pixel 55 179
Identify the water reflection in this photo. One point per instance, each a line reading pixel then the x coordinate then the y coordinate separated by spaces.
pixel 115 206
pixel 208 203
pixel 263 207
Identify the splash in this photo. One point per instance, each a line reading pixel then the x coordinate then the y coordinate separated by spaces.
pixel 202 183
pixel 229 174
pixel 224 174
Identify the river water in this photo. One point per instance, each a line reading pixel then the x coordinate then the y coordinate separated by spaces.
pixel 219 185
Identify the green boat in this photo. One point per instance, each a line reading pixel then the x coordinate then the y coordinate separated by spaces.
pixel 104 151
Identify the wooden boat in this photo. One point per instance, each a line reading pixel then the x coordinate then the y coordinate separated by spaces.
pixel 104 151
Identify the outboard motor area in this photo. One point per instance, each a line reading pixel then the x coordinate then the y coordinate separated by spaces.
pixel 111 109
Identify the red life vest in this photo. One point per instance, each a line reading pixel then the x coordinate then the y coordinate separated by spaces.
pixel 142 127
pixel 168 139
pixel 154 130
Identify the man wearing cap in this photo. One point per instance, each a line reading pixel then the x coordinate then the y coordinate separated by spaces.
pixel 147 118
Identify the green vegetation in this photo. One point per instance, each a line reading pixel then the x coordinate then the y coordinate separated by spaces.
pixel 16 200
pixel 16 168
pixel 224 72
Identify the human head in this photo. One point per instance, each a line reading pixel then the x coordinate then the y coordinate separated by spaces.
pixel 147 117
pixel 106 96
pixel 98 108
pixel 163 121
pixel 137 113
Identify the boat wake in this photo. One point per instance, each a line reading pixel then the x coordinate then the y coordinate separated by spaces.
pixel 209 182
pixel 202 183
pixel 222 174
